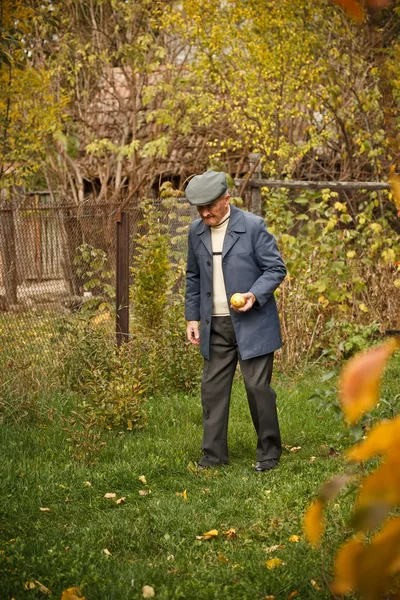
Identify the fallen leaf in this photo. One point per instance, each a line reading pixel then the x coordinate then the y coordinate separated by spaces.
pixel 273 548
pixel 295 449
pixel 121 500
pixel 67 500
pixel 144 492
pixel 86 484
pixel 110 495
pixel 267 492
pixel 272 563
pixel 208 535
pixel 73 593
pixel 230 533
pixel 269 598
pixel 313 458
pixel 205 491
pixel 223 558
pixel 107 552
pixel 143 479
pixel 44 509
pixel 148 591
pixel 294 538
pixel 183 494
pixel 292 595
pixel 29 585
pixel 315 584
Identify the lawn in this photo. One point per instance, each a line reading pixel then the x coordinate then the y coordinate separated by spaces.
pixel 112 550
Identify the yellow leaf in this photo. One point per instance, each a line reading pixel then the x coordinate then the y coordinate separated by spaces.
pixel 273 548
pixel 143 479
pixel 208 535
pixel 230 533
pixel 294 538
pixel 223 558
pixel 110 495
pixel 29 585
pixel 272 563
pixel 352 8
pixel 379 440
pixel 121 500
pixel 360 379
pixel 313 523
pixel 102 318
pixel 73 593
pixel 292 594
pixel 382 486
pixel 346 561
pixel 107 552
pixel 363 307
pixel 148 591
pixel 44 509
pixel 315 584
pixel 87 484
pixel 395 188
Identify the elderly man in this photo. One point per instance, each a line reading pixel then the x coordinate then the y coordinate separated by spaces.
pixel 231 251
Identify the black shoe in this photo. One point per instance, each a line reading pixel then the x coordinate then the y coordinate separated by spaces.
pixel 266 465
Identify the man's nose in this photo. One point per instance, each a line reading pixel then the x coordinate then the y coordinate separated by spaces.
pixel 203 211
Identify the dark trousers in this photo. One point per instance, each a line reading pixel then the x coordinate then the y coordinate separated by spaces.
pixel 216 389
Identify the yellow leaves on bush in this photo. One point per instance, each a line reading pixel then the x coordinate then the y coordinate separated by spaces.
pixel 345 566
pixel 313 522
pixel 360 380
pixel 379 441
pixel 383 485
pixel 369 569
pixel 73 593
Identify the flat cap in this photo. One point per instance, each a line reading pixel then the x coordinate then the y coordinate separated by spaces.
pixel 205 188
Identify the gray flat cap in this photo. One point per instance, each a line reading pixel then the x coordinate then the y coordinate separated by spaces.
pixel 205 188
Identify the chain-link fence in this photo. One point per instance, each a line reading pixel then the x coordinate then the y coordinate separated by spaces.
pixel 55 259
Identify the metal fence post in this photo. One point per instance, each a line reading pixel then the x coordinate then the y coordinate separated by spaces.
pixel 122 291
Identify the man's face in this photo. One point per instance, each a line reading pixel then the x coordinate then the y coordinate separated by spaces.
pixel 213 213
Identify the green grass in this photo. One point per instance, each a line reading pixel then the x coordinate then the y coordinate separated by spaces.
pixel 152 538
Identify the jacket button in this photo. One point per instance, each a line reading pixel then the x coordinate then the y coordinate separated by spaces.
pixel 207 321
pixel 208 293
pixel 208 264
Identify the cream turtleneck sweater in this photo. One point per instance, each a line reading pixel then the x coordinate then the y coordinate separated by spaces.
pixel 220 303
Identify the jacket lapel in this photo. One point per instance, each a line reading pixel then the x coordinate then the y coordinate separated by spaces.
pixel 204 234
pixel 235 228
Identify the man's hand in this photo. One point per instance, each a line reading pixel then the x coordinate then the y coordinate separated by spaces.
pixel 192 332
pixel 250 299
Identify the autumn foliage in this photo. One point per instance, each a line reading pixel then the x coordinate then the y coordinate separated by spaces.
pixel 366 564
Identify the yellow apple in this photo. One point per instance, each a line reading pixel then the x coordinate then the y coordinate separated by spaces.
pixel 238 300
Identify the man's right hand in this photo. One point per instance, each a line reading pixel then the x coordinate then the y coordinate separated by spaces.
pixel 192 332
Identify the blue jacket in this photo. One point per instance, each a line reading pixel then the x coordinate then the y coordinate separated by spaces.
pixel 251 262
